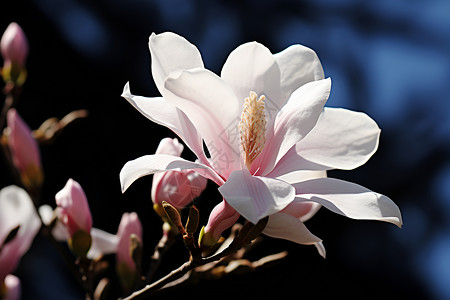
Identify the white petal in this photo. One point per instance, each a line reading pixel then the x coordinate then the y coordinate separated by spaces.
pixel 161 112
pixel 102 243
pixel 256 197
pixel 214 110
pixel 298 176
pixel 284 226
pixel 151 164
pixel 298 65
pixel 59 231
pixel 252 67
pixel 321 249
pixel 171 52
pixel 341 139
pixel 17 208
pixel 349 199
pixel 292 123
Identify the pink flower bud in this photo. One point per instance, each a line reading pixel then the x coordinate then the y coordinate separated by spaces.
pixel 129 225
pixel 14 45
pixel 222 217
pixel 73 208
pixel 178 188
pixel 12 288
pixel 24 150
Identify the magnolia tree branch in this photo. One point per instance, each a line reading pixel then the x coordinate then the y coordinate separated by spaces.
pixel 247 233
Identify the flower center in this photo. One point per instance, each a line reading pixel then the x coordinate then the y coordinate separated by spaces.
pixel 252 128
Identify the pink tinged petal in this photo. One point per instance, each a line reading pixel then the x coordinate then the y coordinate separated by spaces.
pixel 172 187
pixel 16 209
pixel 349 199
pixel 214 110
pixel 161 112
pixel 342 139
pixel 252 67
pixel 169 146
pixel 129 224
pixel 102 243
pixel 151 164
pixel 302 210
pixel 23 146
pixel 298 65
pixel 14 44
pixel 13 288
pixel 196 181
pixel 171 52
pixel 256 197
pixel 74 208
pixel 222 217
pixel 284 226
pixel 292 123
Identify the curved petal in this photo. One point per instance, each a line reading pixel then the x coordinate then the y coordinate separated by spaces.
pixel 102 243
pixel 348 199
pixel 151 164
pixel 341 139
pixel 16 209
pixel 214 110
pixel 252 67
pixel 171 52
pixel 298 65
pixel 284 226
pixel 256 197
pixel 292 123
pixel 161 112
pixel 309 209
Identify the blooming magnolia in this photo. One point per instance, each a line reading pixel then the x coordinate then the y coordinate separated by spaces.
pixel 16 209
pixel 178 188
pixel 264 124
pixel 24 150
pixel 74 213
pixel 14 49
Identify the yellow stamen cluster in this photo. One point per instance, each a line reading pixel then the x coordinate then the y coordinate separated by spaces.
pixel 252 128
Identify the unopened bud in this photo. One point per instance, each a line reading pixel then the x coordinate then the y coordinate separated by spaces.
pixel 192 221
pixel 174 216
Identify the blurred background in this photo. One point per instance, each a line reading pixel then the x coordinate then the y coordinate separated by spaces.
pixel 389 59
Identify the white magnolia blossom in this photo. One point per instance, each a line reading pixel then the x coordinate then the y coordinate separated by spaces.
pixel 270 139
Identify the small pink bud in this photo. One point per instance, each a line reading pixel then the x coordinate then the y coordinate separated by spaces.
pixel 178 188
pixel 12 289
pixel 129 225
pixel 129 250
pixel 73 208
pixel 24 150
pixel 14 45
pixel 222 217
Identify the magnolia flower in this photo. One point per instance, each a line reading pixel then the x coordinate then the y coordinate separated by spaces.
pixel 16 209
pixel 129 227
pixel 178 188
pixel 73 212
pixel 14 49
pixel 263 121
pixel 24 150
pixel 102 242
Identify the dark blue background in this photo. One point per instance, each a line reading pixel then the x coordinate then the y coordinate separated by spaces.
pixel 390 59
